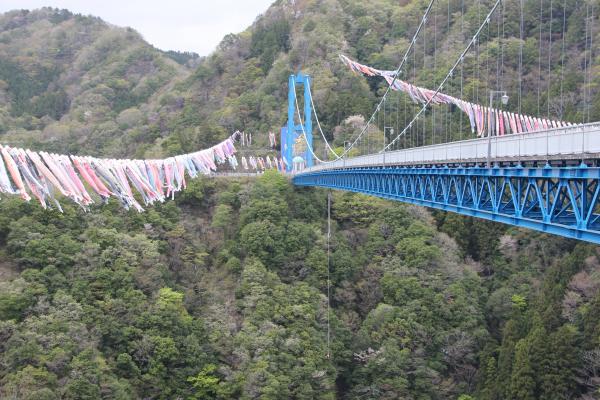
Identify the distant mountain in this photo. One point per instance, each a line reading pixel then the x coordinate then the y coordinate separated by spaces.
pixel 79 84
pixel 222 293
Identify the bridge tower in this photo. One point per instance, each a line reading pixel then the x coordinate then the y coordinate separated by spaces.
pixel 293 131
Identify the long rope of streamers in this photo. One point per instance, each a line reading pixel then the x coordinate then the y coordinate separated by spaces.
pixel 45 175
pixel 448 75
pixel 517 123
pixel 396 73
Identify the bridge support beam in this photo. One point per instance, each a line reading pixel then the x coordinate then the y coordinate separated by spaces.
pixel 560 201
pixel 292 131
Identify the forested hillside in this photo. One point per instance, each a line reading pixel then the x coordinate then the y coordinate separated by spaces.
pixel 79 84
pixel 222 293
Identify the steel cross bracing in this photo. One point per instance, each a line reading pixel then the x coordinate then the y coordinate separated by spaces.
pixel 561 201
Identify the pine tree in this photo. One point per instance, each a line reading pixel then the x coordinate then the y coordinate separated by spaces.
pixel 538 351
pixel 558 380
pixel 505 358
pixel 522 382
pixel 489 391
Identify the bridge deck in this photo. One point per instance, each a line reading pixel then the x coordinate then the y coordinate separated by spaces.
pixel 580 142
pixel 562 198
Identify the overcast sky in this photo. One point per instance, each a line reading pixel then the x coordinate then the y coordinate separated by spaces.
pixel 184 25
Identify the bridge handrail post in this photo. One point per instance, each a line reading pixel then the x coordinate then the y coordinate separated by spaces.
pixel 547 145
pixel 582 142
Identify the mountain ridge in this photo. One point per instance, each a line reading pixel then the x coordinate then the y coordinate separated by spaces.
pixel 98 71
pixel 222 292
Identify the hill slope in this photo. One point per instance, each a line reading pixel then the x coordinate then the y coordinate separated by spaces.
pixel 78 83
pixel 222 292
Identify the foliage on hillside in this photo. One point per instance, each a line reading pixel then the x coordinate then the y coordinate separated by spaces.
pixel 75 83
pixel 222 293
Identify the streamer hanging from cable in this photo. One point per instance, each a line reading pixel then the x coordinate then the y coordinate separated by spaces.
pixel 45 176
pixel 484 120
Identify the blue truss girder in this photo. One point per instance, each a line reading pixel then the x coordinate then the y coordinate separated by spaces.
pixel 561 201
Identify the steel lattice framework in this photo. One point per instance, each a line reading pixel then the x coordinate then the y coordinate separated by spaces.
pixel 561 201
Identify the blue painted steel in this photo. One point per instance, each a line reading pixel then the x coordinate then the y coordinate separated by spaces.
pixel 287 142
pixel 286 151
pixel 292 131
pixel 561 201
pixel 308 120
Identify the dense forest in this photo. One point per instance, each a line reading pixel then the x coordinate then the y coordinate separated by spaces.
pixel 222 293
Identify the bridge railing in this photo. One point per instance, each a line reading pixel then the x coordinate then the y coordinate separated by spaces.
pixel 575 142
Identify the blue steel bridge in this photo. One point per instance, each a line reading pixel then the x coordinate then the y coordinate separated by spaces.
pixel 543 179
pixel 548 181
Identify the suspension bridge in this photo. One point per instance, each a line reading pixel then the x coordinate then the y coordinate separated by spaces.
pixel 544 175
pixel 512 163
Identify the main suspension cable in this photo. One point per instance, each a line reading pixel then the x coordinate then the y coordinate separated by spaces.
pixel 308 145
pixel 319 123
pixel 450 73
pixel 549 57
pixel 521 54
pixel 389 88
pixel 591 61
pixel 328 274
pixel 585 64
pixel 540 58
pixel 462 65
pixel 562 60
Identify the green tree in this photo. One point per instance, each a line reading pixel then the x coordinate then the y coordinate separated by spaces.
pixel 489 391
pixel 522 382
pixel 559 376
pixel 205 384
pixel 506 357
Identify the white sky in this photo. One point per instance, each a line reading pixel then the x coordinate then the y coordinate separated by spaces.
pixel 184 25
